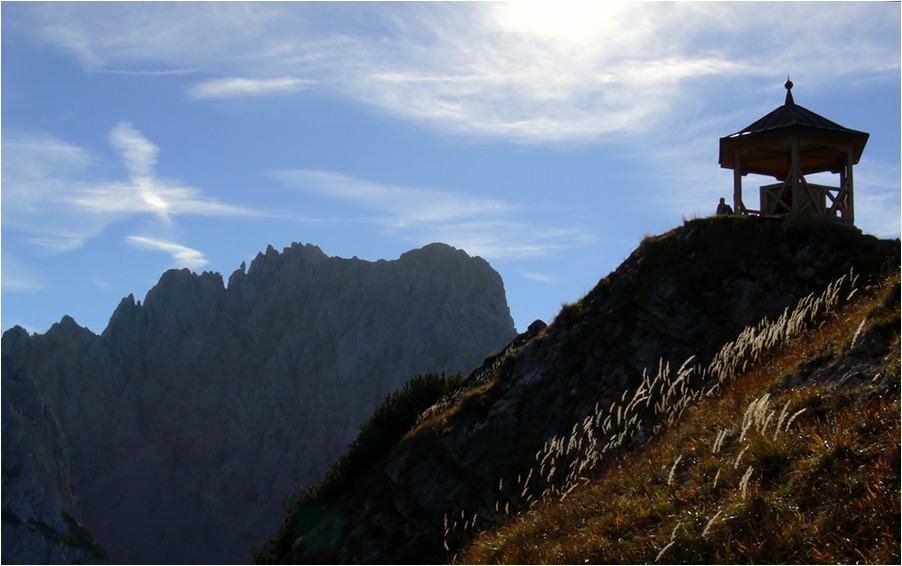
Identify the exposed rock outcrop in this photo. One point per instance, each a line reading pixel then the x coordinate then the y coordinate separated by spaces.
pixel 685 293
pixel 195 413
pixel 40 512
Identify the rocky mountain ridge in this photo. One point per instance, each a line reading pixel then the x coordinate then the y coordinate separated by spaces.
pixel 674 303
pixel 195 413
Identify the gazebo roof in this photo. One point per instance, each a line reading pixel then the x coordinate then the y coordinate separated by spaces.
pixel 765 142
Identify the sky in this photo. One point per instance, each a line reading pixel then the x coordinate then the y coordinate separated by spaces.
pixel 548 139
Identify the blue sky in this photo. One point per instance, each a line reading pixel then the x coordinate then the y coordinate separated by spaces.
pixel 546 138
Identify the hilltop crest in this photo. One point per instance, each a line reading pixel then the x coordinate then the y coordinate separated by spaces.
pixel 678 299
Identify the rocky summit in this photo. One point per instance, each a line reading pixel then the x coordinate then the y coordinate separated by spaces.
pixel 183 426
pixel 601 377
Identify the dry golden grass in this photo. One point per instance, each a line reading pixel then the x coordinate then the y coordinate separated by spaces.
pixel 747 471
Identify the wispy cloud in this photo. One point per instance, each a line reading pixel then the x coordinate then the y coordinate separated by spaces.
pixel 18 276
pixel 145 192
pixel 75 41
pixel 139 155
pixel 536 73
pixel 41 174
pixel 52 191
pixel 540 277
pixel 182 256
pixel 522 72
pixel 491 228
pixel 240 87
pixel 141 36
pixel 877 203
pixel 528 72
pixel 400 206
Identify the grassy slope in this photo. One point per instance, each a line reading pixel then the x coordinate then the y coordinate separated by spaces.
pixel 743 476
pixel 634 507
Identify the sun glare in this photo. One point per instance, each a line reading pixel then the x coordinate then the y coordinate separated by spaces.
pixel 571 22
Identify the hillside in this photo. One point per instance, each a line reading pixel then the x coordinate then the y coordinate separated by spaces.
pixel 678 322
pixel 795 460
pixel 194 413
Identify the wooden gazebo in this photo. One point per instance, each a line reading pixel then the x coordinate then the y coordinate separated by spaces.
pixel 788 144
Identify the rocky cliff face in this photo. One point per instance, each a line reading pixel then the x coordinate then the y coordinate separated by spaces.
pixel 40 511
pixel 685 293
pixel 195 413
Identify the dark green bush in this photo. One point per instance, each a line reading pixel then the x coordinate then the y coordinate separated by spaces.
pixel 385 427
pixel 378 435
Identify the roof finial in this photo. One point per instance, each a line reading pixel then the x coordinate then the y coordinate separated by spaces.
pixel 788 85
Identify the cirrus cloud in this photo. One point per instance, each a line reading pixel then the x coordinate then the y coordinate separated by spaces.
pixel 239 87
pixel 528 72
pixel 483 226
pixel 182 256
pixel 52 193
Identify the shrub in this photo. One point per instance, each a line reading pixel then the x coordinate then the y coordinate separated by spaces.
pixel 388 423
pixel 377 436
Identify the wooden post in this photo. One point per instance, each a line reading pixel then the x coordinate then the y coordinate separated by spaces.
pixel 838 208
pixel 795 173
pixel 849 212
pixel 738 207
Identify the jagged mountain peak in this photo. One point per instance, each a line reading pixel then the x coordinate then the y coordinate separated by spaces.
pixel 195 413
pixel 296 252
pixel 435 250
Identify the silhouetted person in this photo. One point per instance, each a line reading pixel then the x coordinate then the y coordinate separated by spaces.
pixel 723 208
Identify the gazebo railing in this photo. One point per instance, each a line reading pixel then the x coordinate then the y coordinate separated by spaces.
pixel 812 199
